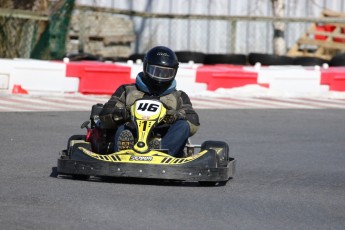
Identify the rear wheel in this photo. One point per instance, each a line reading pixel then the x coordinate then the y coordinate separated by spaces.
pixel 75 137
pixel 80 177
pixel 222 150
pixel 212 183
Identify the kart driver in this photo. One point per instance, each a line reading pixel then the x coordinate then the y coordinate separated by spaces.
pixel 157 81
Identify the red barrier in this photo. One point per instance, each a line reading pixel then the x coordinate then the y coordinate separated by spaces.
pixel 204 73
pixel 105 78
pixel 231 80
pixel 326 77
pixel 73 68
pixel 225 76
pixel 338 83
pixel 334 77
pixel 98 77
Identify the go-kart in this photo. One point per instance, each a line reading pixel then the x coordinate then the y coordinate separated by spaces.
pixel 92 154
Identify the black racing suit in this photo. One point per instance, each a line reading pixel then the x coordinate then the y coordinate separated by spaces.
pixel 126 95
pixel 115 111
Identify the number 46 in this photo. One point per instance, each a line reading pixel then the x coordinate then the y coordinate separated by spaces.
pixel 148 107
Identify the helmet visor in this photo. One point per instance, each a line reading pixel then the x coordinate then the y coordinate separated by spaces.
pixel 160 74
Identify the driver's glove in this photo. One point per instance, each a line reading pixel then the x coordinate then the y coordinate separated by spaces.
pixel 121 114
pixel 172 116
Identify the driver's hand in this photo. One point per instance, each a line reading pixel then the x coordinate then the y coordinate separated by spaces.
pixel 121 114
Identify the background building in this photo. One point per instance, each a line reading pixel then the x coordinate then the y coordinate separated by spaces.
pixel 216 36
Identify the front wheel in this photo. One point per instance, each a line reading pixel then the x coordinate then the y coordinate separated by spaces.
pixel 222 150
pixel 80 177
pixel 212 183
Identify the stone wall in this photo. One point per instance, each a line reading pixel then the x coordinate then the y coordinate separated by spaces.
pixel 102 34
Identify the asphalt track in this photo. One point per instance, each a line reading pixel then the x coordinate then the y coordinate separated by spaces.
pixel 290 175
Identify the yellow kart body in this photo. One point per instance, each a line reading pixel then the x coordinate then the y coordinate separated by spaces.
pixel 210 164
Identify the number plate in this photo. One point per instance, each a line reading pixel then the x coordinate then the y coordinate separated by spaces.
pixel 148 108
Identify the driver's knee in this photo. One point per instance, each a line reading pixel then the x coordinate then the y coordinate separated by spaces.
pixel 182 126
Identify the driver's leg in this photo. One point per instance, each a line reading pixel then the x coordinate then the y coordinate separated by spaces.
pixel 176 138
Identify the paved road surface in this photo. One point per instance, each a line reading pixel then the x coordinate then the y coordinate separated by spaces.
pixel 290 175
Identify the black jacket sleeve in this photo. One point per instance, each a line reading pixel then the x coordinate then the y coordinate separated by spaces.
pixel 191 116
pixel 110 115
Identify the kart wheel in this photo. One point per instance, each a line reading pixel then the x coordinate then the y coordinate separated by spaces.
pixel 80 177
pixel 212 183
pixel 222 150
pixel 75 137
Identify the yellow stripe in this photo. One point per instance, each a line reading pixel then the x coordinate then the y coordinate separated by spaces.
pixel 157 158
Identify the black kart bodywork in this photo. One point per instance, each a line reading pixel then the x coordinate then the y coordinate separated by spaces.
pixel 204 166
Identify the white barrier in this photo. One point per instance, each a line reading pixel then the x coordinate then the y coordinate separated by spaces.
pixel 47 76
pixel 293 79
pixel 35 75
pixel 186 79
pixel 6 67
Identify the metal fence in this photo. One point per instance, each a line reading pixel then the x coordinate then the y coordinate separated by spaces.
pixel 248 34
pixel 222 26
pixel 19 31
pixel 31 31
pixel 211 33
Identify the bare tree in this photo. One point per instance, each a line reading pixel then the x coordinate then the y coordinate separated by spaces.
pixel 279 46
pixel 15 39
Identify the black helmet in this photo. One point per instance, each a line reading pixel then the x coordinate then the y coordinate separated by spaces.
pixel 160 68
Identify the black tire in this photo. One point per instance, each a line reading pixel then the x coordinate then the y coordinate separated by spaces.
pixel 236 59
pixel 222 150
pixel 83 57
pixel 338 60
pixel 309 61
pixel 186 56
pixel 136 56
pixel 75 137
pixel 212 183
pixel 115 59
pixel 80 177
pixel 269 59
